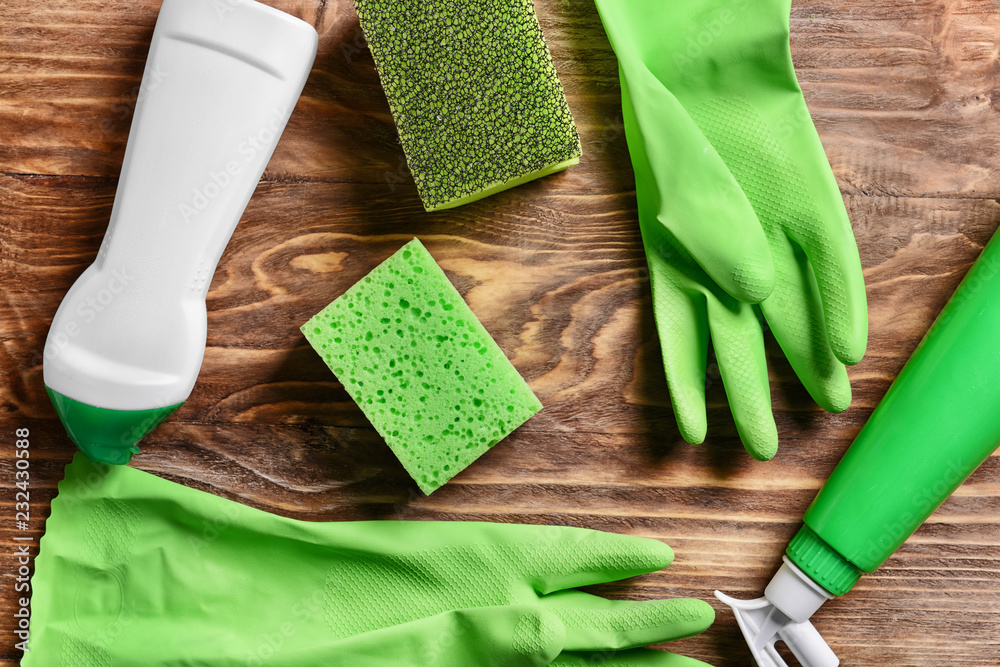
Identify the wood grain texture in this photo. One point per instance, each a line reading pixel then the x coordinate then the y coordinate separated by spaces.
pixel 906 96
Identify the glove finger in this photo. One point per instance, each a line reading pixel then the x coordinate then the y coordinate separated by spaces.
pixel 510 636
pixel 700 205
pixel 573 557
pixel 785 205
pixel 641 657
pixel 795 314
pixel 824 232
pixel 682 327
pixel 834 257
pixel 739 349
pixel 597 624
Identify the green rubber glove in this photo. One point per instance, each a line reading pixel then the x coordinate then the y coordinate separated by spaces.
pixel 138 570
pixel 726 159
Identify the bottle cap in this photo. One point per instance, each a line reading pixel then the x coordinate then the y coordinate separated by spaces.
pixel 105 435
pixel 822 563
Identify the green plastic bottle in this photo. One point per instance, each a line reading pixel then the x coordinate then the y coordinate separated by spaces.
pixel 938 422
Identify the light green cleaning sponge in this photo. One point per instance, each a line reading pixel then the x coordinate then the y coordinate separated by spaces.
pixel 474 93
pixel 424 370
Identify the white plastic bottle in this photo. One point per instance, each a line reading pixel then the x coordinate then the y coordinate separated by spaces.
pixel 127 342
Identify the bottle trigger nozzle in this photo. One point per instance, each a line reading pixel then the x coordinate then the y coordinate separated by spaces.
pixel 764 621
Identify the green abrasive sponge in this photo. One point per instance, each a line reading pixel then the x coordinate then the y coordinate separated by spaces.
pixel 420 365
pixel 474 93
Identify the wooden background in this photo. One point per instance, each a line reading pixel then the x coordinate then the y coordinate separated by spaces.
pixel 906 96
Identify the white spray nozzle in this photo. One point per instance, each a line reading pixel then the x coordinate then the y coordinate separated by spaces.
pixel 782 615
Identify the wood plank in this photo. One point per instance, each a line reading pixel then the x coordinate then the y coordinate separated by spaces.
pixel 908 87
